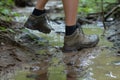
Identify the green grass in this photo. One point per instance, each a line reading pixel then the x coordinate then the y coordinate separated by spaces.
pixel 22 76
pixel 54 39
pixel 56 70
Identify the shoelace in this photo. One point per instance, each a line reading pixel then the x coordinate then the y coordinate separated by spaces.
pixel 80 28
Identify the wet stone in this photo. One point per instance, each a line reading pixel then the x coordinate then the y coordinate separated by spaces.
pixel 117 63
pixel 33 76
pixel 113 35
pixel 118 53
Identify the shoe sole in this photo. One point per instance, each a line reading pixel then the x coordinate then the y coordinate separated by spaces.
pixel 46 31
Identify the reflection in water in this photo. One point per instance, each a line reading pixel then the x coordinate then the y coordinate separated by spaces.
pixel 104 67
pixel 42 77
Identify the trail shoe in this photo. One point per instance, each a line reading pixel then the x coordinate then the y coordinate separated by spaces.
pixel 78 40
pixel 40 23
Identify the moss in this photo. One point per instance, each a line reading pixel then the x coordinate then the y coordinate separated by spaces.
pixel 54 39
pixel 42 51
pixel 56 70
pixel 22 76
pixel 57 73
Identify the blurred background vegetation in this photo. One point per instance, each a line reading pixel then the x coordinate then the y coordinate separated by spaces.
pixel 6 6
pixel 93 6
pixel 85 7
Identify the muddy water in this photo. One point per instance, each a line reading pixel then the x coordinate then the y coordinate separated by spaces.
pixel 99 63
pixel 106 66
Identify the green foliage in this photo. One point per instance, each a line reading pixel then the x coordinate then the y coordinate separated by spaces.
pixel 2 28
pixel 6 13
pixel 5 7
pixel 92 6
pixel 6 3
pixel 6 10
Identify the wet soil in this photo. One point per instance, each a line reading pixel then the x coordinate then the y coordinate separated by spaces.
pixel 31 55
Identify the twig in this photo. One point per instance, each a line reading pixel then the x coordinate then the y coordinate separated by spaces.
pixel 103 19
pixel 112 11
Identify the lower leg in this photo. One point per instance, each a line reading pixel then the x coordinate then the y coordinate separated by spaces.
pixel 39 9
pixel 41 4
pixel 70 9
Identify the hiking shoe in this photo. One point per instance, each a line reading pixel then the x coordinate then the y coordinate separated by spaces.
pixel 78 40
pixel 40 23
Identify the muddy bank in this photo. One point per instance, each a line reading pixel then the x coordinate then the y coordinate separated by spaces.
pixel 31 55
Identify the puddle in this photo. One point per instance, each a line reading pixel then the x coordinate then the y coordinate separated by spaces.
pixel 104 67
pixel 99 63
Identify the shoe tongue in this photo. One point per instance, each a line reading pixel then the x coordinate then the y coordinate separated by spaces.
pixel 78 25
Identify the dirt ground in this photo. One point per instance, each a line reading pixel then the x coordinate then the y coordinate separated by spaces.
pixel 32 55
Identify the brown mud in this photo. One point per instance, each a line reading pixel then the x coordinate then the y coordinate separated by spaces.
pixel 32 55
